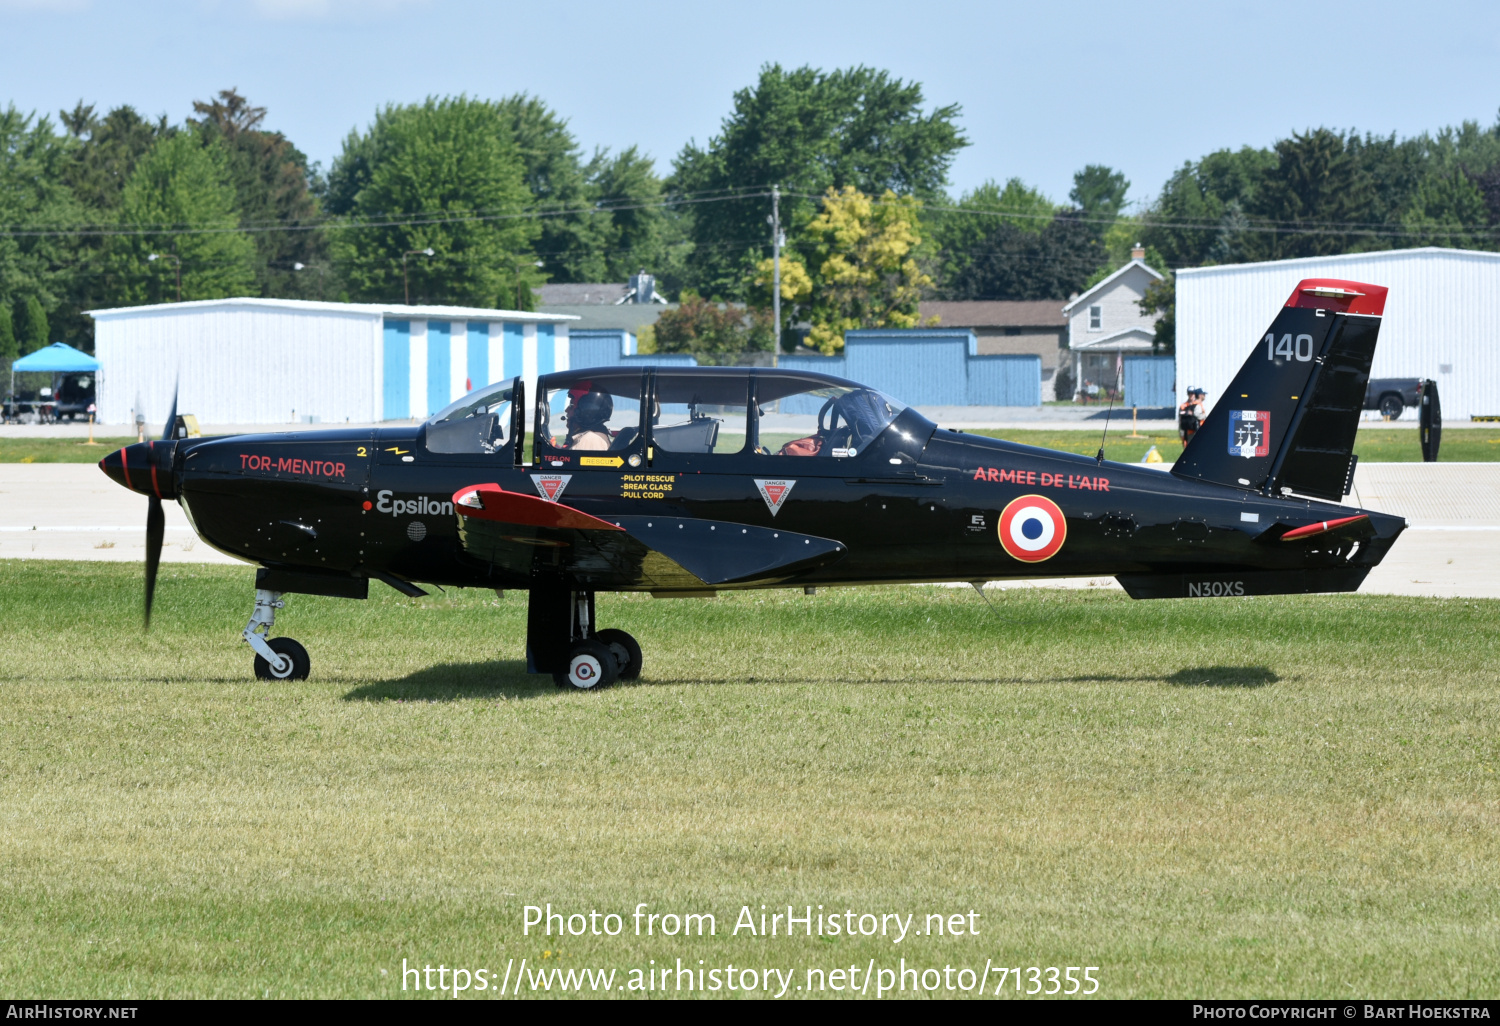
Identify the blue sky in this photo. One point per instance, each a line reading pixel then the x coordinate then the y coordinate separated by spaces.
pixel 1045 87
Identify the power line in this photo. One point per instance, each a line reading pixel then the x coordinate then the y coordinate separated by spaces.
pixel 377 221
pixel 333 223
pixel 1147 220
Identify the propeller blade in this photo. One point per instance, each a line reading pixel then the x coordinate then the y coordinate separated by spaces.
pixel 156 529
pixel 171 428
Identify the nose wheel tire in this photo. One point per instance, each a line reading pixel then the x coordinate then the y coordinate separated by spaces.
pixel 591 666
pixel 298 664
pixel 626 650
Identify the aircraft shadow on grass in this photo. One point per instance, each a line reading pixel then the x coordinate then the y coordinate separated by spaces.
pixel 455 682
pixel 1195 676
pixel 1191 677
pixel 507 678
pixel 1224 677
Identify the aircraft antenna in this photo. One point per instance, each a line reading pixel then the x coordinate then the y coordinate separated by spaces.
pixel 978 586
pixel 1107 412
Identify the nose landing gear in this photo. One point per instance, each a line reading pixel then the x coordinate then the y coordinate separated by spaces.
pixel 275 658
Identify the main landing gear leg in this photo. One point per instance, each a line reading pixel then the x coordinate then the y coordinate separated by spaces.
pixel 275 658
pixel 590 663
pixel 561 639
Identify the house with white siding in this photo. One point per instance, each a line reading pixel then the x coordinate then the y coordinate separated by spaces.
pixel 1106 323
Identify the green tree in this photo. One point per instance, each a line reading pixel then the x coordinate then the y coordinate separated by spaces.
pixel 573 237
pixel 448 173
pixel 1008 262
pixel 1161 298
pixel 1099 192
pixel 808 131
pixel 106 153
pixel 712 331
pixel 968 228
pixel 9 348
pixel 103 153
pixel 1199 217
pixel 1447 208
pixel 34 197
pixel 273 186
pixel 854 266
pixel 179 201
pixel 31 326
pixel 641 234
pixel 1319 198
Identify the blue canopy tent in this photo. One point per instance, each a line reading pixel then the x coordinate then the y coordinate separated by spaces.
pixel 56 358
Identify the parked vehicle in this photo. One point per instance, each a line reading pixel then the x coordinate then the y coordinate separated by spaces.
pixel 1392 395
pixel 72 396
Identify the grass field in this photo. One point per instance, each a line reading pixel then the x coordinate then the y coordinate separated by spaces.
pixel 1257 797
pixel 1375 445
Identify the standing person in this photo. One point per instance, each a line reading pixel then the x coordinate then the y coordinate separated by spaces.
pixel 1191 415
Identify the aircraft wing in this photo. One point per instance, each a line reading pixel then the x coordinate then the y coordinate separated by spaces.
pixel 528 535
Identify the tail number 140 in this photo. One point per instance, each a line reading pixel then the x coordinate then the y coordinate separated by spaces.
pixel 1288 349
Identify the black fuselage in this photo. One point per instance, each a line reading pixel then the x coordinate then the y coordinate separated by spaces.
pixel 923 504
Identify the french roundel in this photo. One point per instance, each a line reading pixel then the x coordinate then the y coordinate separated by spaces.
pixel 1032 528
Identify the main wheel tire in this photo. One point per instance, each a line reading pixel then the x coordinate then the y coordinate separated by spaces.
pixel 301 665
pixel 591 666
pixel 1391 406
pixel 627 651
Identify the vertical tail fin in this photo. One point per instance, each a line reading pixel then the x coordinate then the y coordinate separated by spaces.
pixel 1287 422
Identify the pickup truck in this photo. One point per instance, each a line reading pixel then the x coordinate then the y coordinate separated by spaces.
pixel 1392 395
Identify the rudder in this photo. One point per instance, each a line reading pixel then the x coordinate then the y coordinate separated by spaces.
pixel 1287 421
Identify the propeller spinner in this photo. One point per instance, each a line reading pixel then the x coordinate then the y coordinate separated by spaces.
pixel 146 467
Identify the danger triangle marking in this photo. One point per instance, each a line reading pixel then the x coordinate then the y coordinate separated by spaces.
pixel 550 486
pixel 774 492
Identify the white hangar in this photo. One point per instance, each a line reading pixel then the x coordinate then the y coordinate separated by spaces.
pixel 1442 319
pixel 276 361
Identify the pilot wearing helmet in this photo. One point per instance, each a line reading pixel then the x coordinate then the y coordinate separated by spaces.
pixel 588 411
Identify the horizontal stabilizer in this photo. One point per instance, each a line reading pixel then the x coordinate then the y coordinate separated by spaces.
pixel 1353 527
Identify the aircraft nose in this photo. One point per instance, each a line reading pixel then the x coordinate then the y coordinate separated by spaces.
pixel 133 468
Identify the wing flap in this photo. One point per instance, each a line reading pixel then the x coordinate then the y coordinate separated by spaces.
pixel 525 535
pixel 716 552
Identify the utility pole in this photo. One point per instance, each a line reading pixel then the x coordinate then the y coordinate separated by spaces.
pixel 776 243
pixel 405 284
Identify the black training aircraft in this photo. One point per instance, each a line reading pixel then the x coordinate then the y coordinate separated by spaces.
pixel 685 482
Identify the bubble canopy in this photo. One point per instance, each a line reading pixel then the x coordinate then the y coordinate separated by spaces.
pixel 785 401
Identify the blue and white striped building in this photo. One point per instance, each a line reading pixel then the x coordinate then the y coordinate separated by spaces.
pixel 273 361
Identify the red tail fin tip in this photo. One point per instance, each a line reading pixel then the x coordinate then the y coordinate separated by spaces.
pixel 1339 295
